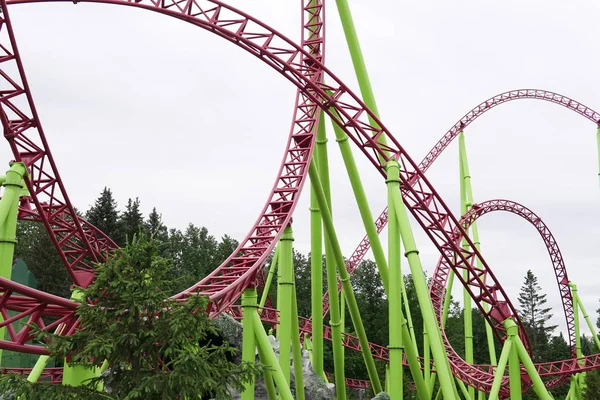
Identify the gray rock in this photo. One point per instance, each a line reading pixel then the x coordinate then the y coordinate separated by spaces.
pixel 381 396
pixel 314 386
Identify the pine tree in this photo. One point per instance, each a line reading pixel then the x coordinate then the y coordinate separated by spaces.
pixel 535 316
pixel 36 248
pixel 156 347
pixel 132 220
pixel 105 216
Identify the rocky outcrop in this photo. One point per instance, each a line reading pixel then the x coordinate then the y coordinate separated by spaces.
pixel 314 386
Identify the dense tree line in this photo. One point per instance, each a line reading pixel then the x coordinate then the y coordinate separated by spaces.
pixel 194 252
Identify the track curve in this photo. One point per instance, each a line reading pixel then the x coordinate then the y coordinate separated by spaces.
pixel 226 283
pixel 472 374
pixel 520 94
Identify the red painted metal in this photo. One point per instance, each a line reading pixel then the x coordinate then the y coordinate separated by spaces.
pixel 474 375
pixel 303 69
pixel 226 283
pixel 49 375
pixel 361 250
pixel 78 244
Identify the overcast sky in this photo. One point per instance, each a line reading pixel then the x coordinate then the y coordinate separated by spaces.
pixel 152 107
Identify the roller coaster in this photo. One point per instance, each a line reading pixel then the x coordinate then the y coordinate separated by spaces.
pixel 33 190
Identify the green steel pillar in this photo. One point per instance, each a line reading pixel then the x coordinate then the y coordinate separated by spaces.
pixel 249 306
pixel 395 290
pixel 9 209
pixel 76 374
pixel 514 366
pixel 272 269
pixel 297 347
pixel 316 283
pixel 467 202
pixel 499 373
pixel 269 359
pixel 267 373
pixel 347 287
pixel 468 308
pixel 538 384
pixel 577 300
pixel 440 357
pixel 363 204
pixel 286 282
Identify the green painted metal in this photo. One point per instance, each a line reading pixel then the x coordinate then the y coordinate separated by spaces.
pixel 586 317
pixel 249 306
pixel 363 204
pixel 395 291
pixel 267 372
pixel 9 209
pixel 269 359
pixel 272 269
pixel 38 368
pixel 75 375
pixel 538 384
pixel 426 356
pixel 316 283
pixel 285 283
pixel 514 366
pixel 468 307
pixel 464 389
pixel 499 373
pixel 345 279
pixel 435 339
pixel 297 347
pixel 409 321
pixel 447 297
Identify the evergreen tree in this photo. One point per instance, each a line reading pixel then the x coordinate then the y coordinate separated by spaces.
pixel 157 348
pixel 535 316
pixel 156 229
pixel 132 220
pixel 36 248
pixel 105 216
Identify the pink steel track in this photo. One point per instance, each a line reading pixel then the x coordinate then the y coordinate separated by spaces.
pixel 80 244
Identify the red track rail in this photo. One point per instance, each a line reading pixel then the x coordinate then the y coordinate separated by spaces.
pixel 227 282
pixel 361 250
pixel 474 375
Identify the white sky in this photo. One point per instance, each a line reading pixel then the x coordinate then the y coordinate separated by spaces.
pixel 155 108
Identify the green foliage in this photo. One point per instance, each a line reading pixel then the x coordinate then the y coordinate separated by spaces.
pixel 157 348
pixel 132 220
pixel 35 247
pixel 105 216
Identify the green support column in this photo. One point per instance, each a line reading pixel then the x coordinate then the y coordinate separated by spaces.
pixel 468 307
pixel 499 373
pixel 269 282
pixel 285 284
pixel 316 284
pixel 538 384
pixel 440 357
pixel 267 373
pixel 363 204
pixel 395 291
pixel 269 359
pixel 249 306
pixel 9 209
pixel 297 347
pixel 514 366
pixel 577 299
pixel 467 203
pixel 347 287
pixel 75 375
